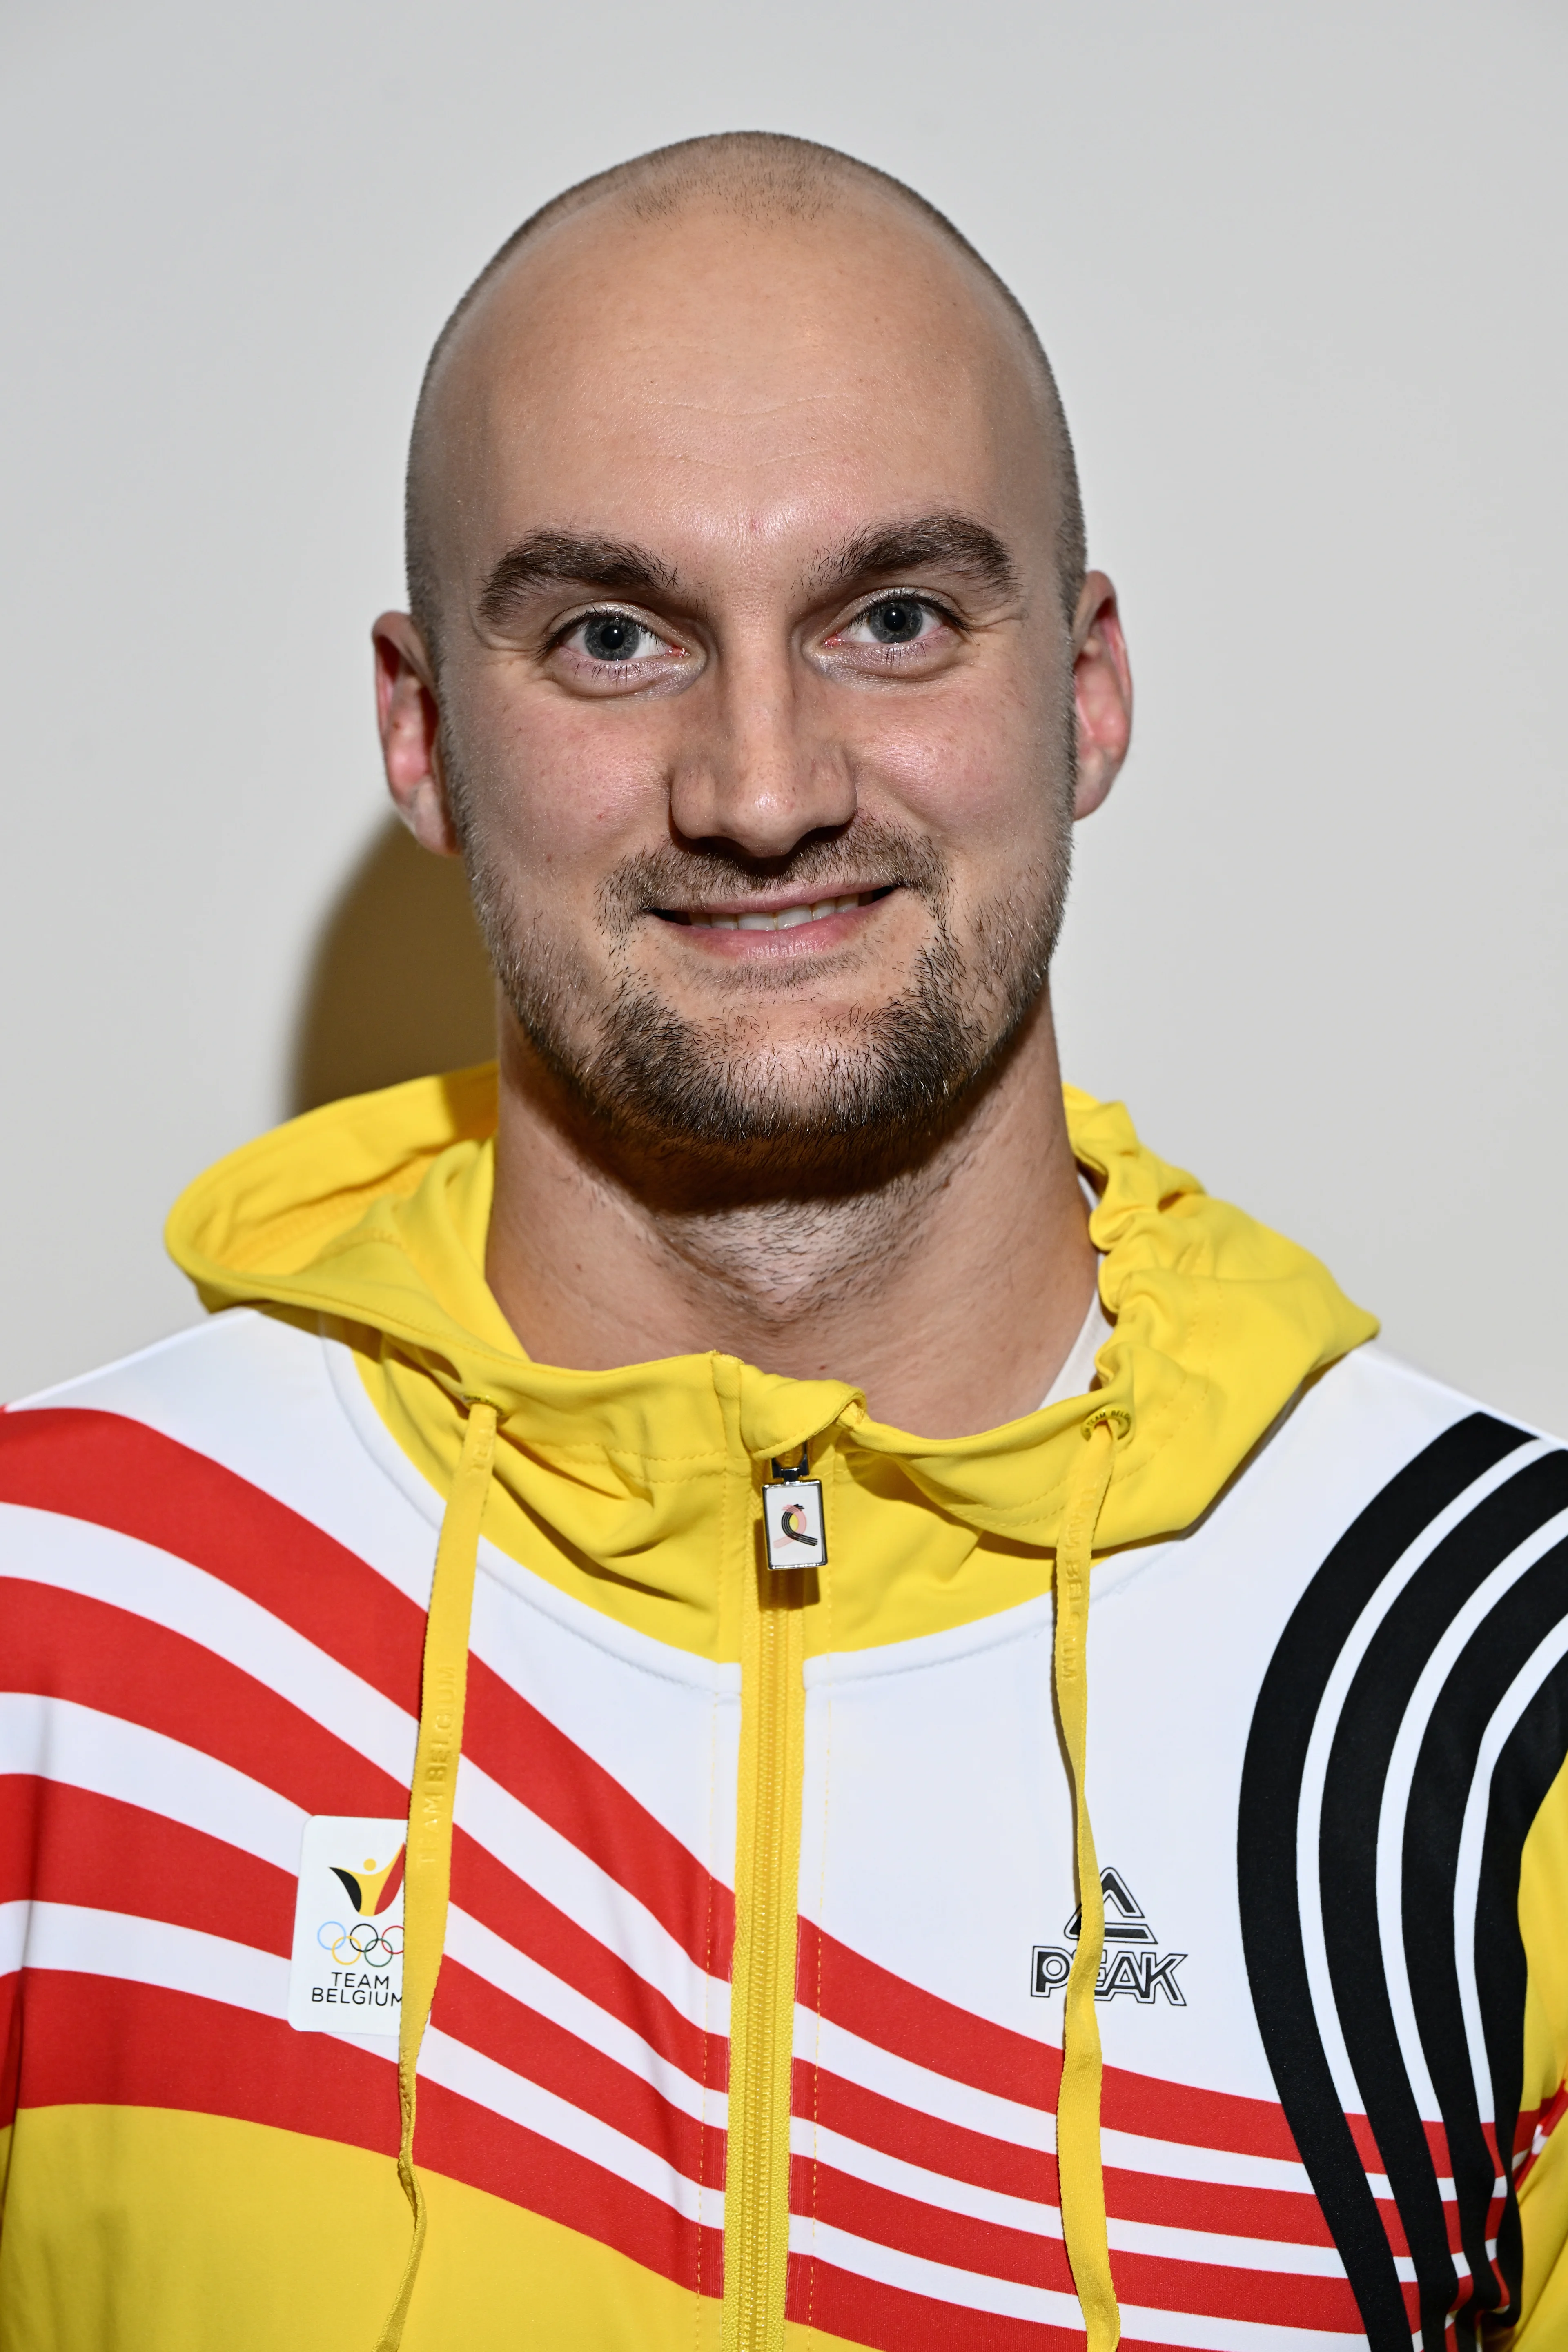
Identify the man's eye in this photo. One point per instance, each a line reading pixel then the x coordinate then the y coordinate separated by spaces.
pixel 616 637
pixel 895 621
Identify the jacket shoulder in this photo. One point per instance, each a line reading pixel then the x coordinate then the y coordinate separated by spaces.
pixel 240 1352
pixel 223 1423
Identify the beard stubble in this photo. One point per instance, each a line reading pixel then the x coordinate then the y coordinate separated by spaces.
pixel 874 1091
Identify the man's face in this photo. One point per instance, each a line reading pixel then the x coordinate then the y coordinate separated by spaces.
pixel 756 692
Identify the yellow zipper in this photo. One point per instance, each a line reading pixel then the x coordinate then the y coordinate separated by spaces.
pixel 762 2014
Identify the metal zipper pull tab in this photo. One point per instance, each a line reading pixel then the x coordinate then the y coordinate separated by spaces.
pixel 792 1516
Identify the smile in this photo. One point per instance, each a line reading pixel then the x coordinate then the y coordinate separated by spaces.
pixel 776 919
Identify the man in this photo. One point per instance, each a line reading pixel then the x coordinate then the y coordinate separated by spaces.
pixel 856 1919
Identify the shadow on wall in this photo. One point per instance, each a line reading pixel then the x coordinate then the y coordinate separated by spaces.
pixel 399 984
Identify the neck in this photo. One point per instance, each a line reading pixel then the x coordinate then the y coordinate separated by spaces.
pixel 950 1290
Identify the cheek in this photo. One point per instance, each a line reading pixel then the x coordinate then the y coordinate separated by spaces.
pixel 553 787
pixel 980 765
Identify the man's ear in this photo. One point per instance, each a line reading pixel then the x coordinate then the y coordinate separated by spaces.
pixel 409 718
pixel 1102 687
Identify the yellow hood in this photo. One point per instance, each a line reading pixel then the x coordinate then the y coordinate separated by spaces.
pixel 372 1214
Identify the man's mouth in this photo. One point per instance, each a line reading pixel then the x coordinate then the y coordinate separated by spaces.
pixel 776 917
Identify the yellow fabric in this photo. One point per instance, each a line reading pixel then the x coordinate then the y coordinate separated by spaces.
pixel 1543 2193
pixel 131 2227
pixel 762 2014
pixel 427 1871
pixel 373 1214
pixel 1080 2177
pixel 1544 2219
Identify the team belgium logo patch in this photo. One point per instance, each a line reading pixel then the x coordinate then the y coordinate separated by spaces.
pixel 1133 1963
pixel 346 1972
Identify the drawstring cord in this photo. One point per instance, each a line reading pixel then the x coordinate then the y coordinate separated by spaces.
pixel 427 1874
pixel 1080 2179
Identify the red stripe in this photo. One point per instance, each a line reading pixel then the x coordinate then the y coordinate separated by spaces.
pixel 908 2132
pixel 59 1645
pixel 524 1752
pixel 886 2009
pixel 97 2040
pixel 116 1473
pixel 61 1845
pixel 10 2046
pixel 1289 2217
pixel 113 1472
pixel 1546 2119
pixel 1194 2117
pixel 889 2218
pixel 62 1646
pixel 104 2041
pixel 498 2026
pixel 522 1917
pixel 882 2007
pixel 1282 2216
pixel 890 2319
pixel 471 2143
pixel 102 1854
pixel 992 2250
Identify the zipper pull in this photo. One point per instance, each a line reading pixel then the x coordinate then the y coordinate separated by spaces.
pixel 792 1516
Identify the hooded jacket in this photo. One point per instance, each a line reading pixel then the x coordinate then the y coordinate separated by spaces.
pixel 622 1942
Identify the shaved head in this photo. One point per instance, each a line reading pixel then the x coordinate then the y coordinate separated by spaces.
pixel 772 183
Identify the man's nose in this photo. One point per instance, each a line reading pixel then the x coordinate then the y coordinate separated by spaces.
pixel 759 771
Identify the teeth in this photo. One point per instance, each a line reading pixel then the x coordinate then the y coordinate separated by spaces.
pixel 784 920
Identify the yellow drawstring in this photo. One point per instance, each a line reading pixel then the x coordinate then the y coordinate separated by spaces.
pixel 427 1871
pixel 1079 2176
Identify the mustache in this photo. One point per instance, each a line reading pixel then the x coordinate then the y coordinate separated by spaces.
pixel 868 854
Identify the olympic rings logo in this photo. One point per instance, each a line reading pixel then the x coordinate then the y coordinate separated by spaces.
pixel 374 1947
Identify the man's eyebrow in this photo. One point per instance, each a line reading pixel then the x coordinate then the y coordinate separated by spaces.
pixel 561 559
pixel 955 542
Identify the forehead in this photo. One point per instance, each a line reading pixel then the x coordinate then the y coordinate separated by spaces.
pixel 707 376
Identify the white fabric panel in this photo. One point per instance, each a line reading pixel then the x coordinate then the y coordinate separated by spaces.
pixel 937 1833
pixel 128 1574
pixel 499 1964
pixel 532 1851
pixel 821 2042
pixel 59 1740
pixel 489 2084
pixel 1044 2306
pixel 125 1574
pixel 87 1942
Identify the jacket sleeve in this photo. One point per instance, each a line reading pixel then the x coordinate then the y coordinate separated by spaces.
pixel 1540 2145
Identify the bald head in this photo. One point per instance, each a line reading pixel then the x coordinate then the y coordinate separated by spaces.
pixel 788 201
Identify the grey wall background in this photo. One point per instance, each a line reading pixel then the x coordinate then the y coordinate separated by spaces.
pixel 1300 267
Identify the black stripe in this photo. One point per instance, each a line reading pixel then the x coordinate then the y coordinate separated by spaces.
pixel 1287 1703
pixel 1375 1707
pixel 1531 1760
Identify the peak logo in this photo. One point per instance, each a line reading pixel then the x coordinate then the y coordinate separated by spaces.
pixel 1133 1963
